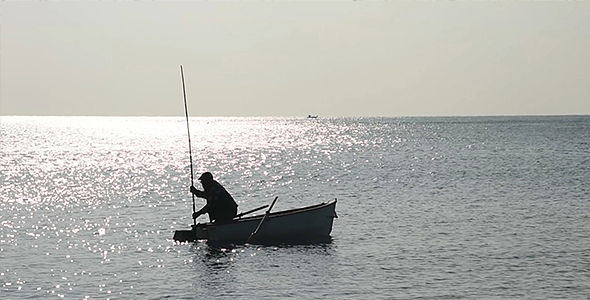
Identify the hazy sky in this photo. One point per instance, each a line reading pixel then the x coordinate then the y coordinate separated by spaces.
pixel 295 58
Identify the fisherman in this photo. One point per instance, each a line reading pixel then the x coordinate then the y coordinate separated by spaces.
pixel 220 206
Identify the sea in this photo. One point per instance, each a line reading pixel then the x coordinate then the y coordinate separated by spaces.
pixel 488 207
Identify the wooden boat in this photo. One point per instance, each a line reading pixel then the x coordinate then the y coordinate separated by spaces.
pixel 302 225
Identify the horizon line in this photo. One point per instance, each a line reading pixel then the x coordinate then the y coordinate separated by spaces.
pixel 306 116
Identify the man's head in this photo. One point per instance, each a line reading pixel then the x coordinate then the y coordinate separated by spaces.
pixel 206 177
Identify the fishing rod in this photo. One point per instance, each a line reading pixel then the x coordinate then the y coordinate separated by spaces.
pixel 190 152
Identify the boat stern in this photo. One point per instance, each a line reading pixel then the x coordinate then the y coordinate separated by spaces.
pixel 198 232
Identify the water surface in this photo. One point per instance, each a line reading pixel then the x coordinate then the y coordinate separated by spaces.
pixel 429 208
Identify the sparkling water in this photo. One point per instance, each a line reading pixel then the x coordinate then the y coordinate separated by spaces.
pixel 429 208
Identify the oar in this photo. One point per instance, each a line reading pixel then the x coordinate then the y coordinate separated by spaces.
pixel 263 219
pixel 250 211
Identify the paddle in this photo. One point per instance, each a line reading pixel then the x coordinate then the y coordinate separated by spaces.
pixel 250 211
pixel 263 219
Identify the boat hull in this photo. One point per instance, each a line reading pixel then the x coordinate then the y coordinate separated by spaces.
pixel 302 225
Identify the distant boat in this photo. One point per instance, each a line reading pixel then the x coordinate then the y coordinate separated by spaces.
pixel 300 225
pixel 312 117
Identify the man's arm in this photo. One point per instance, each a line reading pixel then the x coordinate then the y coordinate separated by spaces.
pixel 201 211
pixel 200 194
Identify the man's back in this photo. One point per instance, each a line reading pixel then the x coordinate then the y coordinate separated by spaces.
pixel 222 205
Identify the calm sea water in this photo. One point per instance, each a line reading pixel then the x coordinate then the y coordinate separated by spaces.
pixel 429 208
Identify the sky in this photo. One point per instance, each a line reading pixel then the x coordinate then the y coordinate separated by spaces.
pixel 327 58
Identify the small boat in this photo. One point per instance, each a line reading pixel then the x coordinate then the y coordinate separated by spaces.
pixel 312 117
pixel 302 225
pixel 297 226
